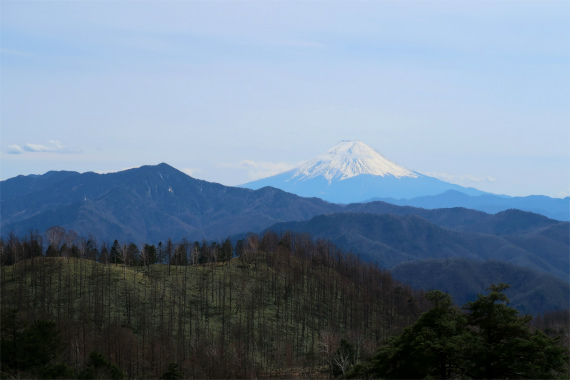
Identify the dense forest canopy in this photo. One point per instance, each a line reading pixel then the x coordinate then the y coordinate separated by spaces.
pixel 489 340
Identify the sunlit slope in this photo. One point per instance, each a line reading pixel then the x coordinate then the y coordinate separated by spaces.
pixel 268 313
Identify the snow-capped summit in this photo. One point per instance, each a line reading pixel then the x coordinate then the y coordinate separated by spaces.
pixel 348 159
pixel 352 171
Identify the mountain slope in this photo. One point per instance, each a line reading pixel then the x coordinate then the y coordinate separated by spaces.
pixel 352 171
pixel 462 219
pixel 152 203
pixel 531 292
pixel 555 208
pixel 145 204
pixel 270 304
pixel 349 159
pixel 392 239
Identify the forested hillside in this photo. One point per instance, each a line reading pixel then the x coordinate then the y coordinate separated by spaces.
pixel 145 204
pixel 286 306
pixel 462 219
pixel 153 202
pixel 531 292
pixel 393 239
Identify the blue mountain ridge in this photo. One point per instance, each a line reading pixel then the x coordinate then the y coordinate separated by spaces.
pixel 554 208
pixel 360 188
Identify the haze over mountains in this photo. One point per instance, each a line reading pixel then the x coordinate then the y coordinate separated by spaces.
pixel 353 172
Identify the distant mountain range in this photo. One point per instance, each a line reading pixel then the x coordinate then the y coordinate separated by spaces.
pixel 456 250
pixel 390 239
pixel 152 203
pixel 353 172
pixel 145 204
pixel 461 219
pixel 555 208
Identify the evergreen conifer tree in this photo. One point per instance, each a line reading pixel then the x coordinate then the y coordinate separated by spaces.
pixel 490 341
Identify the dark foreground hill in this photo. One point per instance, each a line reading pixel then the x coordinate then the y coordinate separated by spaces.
pixel 393 239
pixel 145 204
pixel 281 310
pixel 531 292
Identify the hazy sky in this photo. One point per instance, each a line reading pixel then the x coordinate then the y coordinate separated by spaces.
pixel 475 93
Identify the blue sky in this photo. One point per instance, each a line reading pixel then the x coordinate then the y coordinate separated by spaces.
pixel 472 92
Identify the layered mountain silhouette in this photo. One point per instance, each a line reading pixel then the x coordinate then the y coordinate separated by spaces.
pixel 153 203
pixel 556 208
pixel 353 172
pixel 390 239
pixel 145 204
pixel 506 222
pixel 531 292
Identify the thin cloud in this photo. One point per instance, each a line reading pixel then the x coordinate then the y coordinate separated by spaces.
pixel 563 194
pixel 190 171
pixel 260 169
pixel 53 146
pixel 116 171
pixel 15 149
pixel 463 178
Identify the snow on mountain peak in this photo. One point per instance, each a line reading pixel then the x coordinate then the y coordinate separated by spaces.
pixel 348 159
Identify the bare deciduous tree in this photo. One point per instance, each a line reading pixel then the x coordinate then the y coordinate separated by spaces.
pixel 55 235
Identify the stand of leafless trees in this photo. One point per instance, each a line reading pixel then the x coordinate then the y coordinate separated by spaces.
pixel 272 306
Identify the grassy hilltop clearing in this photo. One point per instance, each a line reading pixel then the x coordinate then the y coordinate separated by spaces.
pixel 284 308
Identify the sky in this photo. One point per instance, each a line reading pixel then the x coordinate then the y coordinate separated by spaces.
pixel 471 92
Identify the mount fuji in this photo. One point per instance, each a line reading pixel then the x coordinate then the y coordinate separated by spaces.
pixel 352 171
